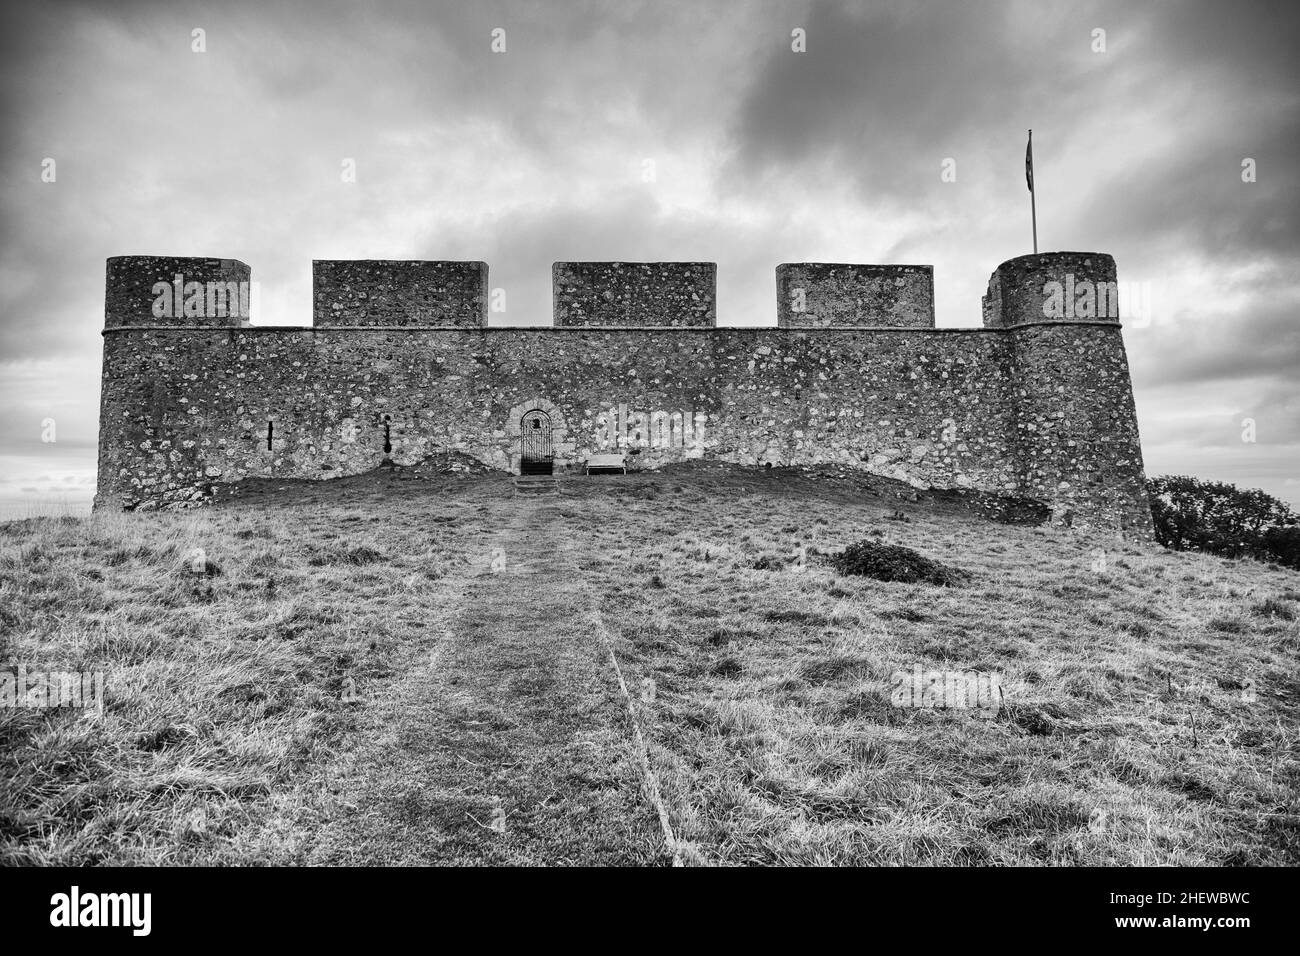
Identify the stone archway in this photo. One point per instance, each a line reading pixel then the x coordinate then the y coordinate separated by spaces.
pixel 547 430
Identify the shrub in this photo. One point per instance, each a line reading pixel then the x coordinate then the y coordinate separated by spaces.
pixel 892 562
pixel 1219 518
pixel 1283 545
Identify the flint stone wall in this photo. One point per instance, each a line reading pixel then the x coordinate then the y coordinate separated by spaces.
pixel 186 409
pixel 837 294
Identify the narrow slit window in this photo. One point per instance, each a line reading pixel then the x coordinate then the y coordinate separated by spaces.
pixel 270 433
pixel 388 445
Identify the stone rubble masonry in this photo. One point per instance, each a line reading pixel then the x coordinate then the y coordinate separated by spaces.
pixel 129 294
pixel 845 295
pixel 1022 406
pixel 387 292
pixel 1017 296
pixel 635 294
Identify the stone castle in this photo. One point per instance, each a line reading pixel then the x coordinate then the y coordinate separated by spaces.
pixel 401 365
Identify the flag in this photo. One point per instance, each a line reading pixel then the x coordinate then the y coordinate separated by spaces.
pixel 1029 161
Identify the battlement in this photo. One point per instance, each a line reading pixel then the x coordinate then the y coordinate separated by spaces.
pixel 194 291
pixel 176 291
pixel 437 294
pixel 846 295
pixel 635 294
pixel 1052 287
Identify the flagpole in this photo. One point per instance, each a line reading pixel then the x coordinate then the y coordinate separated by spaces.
pixel 1033 200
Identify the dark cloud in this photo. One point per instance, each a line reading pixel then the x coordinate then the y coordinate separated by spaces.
pixel 885 92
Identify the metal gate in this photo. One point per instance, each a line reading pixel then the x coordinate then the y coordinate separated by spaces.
pixel 535 456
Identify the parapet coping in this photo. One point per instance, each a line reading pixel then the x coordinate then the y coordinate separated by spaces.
pixel 587 329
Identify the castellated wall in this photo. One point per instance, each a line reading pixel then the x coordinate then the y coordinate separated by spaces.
pixel 635 294
pixel 1023 407
pixel 838 294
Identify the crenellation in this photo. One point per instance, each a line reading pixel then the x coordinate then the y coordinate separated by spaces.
pixel 176 290
pixel 1052 287
pixel 846 295
pixel 383 292
pixel 635 294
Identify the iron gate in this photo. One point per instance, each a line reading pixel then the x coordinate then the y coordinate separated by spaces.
pixel 536 456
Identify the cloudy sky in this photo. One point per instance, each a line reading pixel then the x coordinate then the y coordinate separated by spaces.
pixel 626 130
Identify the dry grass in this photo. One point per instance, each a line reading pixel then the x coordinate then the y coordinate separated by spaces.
pixel 1129 735
pixel 1151 697
pixel 227 694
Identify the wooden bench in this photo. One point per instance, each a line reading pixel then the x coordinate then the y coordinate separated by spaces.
pixel 607 462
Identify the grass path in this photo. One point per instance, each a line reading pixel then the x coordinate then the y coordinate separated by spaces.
pixel 509 712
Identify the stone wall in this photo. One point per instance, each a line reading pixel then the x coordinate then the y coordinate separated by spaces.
pixel 185 408
pixel 635 294
pixel 838 295
pixel 388 292
pixel 1041 408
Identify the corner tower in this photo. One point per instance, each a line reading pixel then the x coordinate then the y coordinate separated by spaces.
pixel 1076 425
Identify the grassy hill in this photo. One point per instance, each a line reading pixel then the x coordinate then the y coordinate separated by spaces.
pixel 657 668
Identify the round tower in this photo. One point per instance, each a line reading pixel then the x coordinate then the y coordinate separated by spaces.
pixel 1076 426
pixel 1052 287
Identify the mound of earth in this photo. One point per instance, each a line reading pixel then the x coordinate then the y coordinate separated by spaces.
pixel 449 466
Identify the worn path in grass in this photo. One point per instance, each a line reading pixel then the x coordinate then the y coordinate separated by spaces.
pixel 511 709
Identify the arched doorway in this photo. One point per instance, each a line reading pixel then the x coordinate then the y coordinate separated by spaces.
pixel 536 457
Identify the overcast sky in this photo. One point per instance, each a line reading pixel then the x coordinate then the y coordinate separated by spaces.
pixel 622 130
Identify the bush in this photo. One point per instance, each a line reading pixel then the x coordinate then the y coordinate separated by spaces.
pixel 1283 545
pixel 892 562
pixel 1219 518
